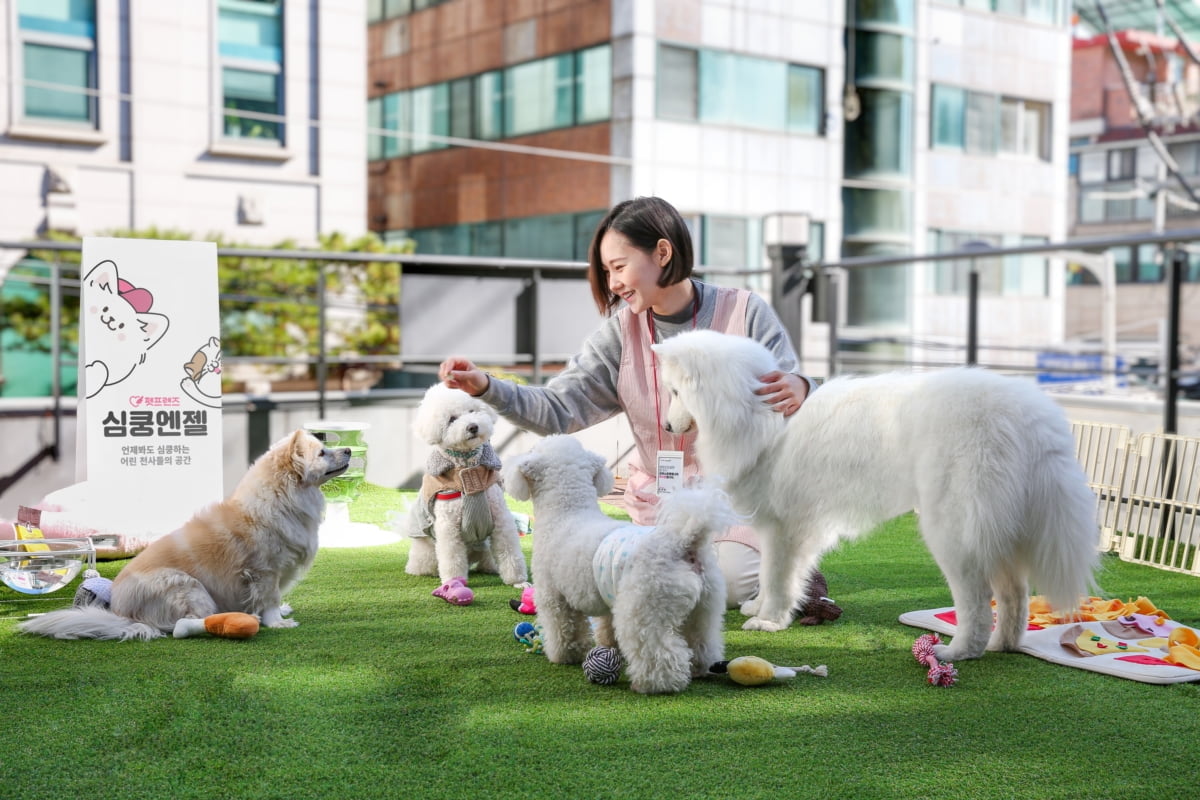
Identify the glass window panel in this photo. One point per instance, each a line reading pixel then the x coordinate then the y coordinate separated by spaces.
pixel 1121 261
pixel 594 87
pixel 460 108
pixel 430 112
pixel 1091 207
pixel 585 228
pixel 897 12
pixel 718 87
pixel 1093 167
pixel 886 56
pixel 678 83
pixel 489 105
pixel 981 123
pixel 396 8
pixel 1035 126
pixel 487 239
pixel 1010 125
pixel 250 30
pixel 1013 7
pixel 725 241
pixel 68 17
pixel 375 138
pixel 58 65
pixel 1184 154
pixel 762 88
pixel 877 212
pixel 396 122
pixel 1146 161
pixel 878 295
pixel 549 237
pixel 982 5
pixel 374 11
pixel 1149 269
pixel 539 95
pixel 1118 209
pixel 257 92
pixel 805 99
pixel 949 113
pixel 1046 11
pixel 1121 164
pixel 879 142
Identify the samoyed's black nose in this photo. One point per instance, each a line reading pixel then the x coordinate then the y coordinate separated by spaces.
pixel 473 430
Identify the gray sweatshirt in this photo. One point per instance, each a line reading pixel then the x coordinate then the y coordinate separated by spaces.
pixel 585 392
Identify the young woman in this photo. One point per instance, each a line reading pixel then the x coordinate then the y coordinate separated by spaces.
pixel 640 266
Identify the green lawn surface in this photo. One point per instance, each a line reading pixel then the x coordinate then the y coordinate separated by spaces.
pixel 384 691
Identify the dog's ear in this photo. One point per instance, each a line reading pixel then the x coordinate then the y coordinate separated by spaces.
pixel 513 479
pixel 602 477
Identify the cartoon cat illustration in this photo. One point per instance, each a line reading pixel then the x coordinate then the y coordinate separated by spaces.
pixel 203 381
pixel 119 326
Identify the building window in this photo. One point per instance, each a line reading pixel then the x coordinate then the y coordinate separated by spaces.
pixel 58 61
pixel 378 10
pixel 716 87
pixel 251 58
pixel 557 92
pixel 558 237
pixel 986 124
pixel 1009 276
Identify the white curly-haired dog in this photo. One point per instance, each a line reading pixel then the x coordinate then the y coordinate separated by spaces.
pixel 461 517
pixel 656 594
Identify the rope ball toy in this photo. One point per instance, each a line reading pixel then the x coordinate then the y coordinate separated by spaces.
pixel 602 665
pixel 940 674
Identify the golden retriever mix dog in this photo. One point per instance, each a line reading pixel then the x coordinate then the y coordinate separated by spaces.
pixel 242 554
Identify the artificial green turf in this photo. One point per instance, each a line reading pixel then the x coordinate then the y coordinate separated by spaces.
pixel 385 691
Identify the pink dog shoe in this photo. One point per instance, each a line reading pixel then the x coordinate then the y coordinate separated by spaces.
pixel 455 592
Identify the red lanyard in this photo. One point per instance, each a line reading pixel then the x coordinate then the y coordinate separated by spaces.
pixel 654 361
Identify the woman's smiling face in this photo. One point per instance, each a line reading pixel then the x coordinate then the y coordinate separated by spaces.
pixel 633 274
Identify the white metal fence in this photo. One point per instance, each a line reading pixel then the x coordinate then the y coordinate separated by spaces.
pixel 1148 492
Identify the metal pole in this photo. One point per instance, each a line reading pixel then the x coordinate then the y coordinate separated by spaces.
pixel 56 351
pixel 972 316
pixel 535 292
pixel 831 304
pixel 1177 263
pixel 321 367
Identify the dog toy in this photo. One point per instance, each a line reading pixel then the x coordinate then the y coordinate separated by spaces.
pixel 529 635
pixel 755 671
pixel 94 591
pixel 230 625
pixel 816 606
pixel 602 665
pixel 525 605
pixel 455 592
pixel 940 674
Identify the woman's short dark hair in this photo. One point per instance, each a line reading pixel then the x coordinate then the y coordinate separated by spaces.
pixel 643 221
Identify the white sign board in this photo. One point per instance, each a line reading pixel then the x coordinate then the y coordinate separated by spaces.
pixel 149 411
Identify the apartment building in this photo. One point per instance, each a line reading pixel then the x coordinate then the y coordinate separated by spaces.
pixel 506 129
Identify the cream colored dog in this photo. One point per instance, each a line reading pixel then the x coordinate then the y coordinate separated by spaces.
pixel 242 554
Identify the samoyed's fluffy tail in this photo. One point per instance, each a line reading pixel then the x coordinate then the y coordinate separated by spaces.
pixel 1067 551
pixel 88 622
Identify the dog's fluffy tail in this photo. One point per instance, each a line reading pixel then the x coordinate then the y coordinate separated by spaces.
pixel 694 514
pixel 88 622
pixel 1066 554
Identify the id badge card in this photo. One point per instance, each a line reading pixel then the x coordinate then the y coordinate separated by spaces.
pixel 669 473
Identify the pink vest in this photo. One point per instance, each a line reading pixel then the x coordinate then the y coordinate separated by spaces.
pixel 635 390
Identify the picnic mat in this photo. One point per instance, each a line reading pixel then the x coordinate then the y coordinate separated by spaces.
pixel 1130 639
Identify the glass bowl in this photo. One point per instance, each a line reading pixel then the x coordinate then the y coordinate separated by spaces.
pixel 41 566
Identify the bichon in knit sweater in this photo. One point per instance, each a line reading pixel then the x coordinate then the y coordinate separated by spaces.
pixel 461 518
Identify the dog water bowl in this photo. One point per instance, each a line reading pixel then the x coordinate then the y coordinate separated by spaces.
pixel 41 566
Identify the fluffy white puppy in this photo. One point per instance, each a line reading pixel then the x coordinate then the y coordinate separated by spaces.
pixel 656 594
pixel 242 554
pixel 461 517
pixel 988 461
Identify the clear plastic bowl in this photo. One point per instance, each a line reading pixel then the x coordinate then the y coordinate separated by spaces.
pixel 41 566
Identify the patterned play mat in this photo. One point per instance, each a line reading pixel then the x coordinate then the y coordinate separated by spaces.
pixel 1130 639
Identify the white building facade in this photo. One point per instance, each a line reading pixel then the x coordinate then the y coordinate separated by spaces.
pixel 237 118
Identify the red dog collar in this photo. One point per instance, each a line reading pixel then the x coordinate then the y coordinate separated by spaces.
pixel 448 495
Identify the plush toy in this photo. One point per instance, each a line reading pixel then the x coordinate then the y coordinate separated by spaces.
pixel 940 674
pixel 525 604
pixel 602 665
pixel 455 592
pixel 817 607
pixel 755 671
pixel 529 635
pixel 94 591
pixel 230 625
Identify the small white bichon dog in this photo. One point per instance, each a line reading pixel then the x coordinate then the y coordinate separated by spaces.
pixel 461 517
pixel 656 593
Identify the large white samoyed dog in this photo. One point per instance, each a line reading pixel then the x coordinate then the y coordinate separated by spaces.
pixel 987 461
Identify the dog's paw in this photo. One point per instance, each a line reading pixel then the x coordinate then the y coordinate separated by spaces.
pixel 751 606
pixel 285 610
pixel 282 623
pixel 760 624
